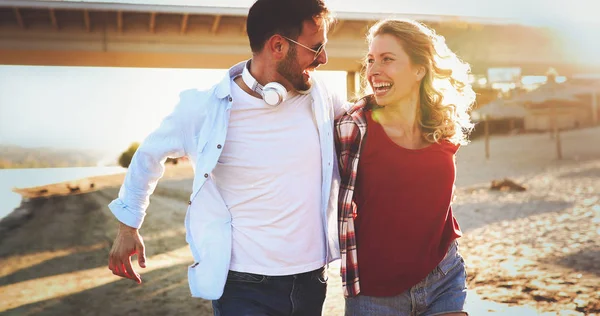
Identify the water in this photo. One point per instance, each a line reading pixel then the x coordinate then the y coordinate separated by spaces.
pixel 23 178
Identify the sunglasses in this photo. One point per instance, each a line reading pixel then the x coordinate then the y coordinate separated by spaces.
pixel 317 52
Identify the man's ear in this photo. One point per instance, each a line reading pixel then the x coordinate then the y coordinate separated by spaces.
pixel 277 46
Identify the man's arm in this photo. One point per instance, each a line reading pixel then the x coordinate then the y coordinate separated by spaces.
pixel 146 168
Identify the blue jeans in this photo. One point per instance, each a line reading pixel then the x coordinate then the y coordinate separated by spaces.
pixel 255 294
pixel 443 291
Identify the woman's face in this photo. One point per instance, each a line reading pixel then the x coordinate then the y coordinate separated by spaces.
pixel 390 72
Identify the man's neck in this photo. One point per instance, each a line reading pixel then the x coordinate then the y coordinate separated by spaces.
pixel 259 71
pixel 263 71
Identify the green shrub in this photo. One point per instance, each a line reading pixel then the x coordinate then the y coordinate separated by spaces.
pixel 125 158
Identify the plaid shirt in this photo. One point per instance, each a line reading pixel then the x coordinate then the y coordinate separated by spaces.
pixel 350 131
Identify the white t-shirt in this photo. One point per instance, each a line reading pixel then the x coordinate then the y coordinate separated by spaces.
pixel 269 175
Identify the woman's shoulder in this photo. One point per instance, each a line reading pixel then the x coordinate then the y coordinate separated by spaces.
pixel 448 145
pixel 355 109
pixel 364 103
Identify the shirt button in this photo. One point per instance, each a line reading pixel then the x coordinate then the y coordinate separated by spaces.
pixel 189 202
pixel 219 146
pixel 206 175
pixel 230 99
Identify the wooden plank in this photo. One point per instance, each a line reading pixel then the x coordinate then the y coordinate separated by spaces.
pixel 556 132
pixel 215 26
pixel 53 18
pixel 184 23
pixel 120 21
pixel 152 22
pixel 19 17
pixel 86 20
pixel 487 136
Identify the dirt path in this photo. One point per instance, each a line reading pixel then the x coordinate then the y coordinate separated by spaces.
pixel 56 262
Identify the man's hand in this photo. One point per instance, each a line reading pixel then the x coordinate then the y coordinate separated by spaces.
pixel 127 243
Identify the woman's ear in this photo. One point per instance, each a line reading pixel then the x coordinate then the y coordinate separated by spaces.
pixel 421 71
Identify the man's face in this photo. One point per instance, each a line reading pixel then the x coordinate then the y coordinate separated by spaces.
pixel 300 61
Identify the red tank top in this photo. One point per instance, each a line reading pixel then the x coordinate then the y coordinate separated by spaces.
pixel 404 222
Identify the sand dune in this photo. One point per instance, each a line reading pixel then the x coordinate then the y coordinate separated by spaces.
pixel 537 249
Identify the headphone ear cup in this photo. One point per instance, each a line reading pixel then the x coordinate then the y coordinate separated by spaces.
pixel 274 93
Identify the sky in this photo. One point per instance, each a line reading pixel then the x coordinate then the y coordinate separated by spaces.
pixel 96 108
pixel 108 108
pixel 79 107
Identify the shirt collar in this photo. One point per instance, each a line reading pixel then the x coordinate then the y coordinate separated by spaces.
pixel 223 89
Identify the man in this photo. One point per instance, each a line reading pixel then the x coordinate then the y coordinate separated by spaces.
pixel 261 221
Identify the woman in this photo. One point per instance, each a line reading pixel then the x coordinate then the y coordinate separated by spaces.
pixel 396 150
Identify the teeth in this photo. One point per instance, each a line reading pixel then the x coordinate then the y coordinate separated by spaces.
pixel 381 84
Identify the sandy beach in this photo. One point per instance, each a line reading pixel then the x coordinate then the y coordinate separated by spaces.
pixel 535 252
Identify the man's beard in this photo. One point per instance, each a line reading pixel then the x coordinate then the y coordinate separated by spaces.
pixel 291 71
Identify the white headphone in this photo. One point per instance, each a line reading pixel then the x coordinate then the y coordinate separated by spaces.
pixel 273 93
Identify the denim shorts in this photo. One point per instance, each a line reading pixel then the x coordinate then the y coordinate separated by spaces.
pixel 443 291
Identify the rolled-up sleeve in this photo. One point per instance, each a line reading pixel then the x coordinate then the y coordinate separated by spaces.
pixel 148 166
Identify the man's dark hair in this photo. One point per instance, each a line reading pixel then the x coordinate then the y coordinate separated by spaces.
pixel 285 17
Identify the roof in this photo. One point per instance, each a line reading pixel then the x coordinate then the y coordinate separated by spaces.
pixel 192 7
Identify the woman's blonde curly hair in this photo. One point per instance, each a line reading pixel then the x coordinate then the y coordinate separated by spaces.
pixel 445 94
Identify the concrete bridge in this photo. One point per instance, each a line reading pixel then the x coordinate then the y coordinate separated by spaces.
pixel 74 33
